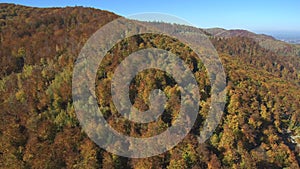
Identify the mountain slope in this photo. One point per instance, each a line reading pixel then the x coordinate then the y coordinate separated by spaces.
pixel 43 32
pixel 265 41
pixel 39 128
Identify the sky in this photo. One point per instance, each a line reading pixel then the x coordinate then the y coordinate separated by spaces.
pixel 260 16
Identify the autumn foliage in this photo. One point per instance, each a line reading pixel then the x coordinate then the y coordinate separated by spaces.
pixel 38 124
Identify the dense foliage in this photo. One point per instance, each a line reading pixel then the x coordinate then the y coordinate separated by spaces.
pixel 39 128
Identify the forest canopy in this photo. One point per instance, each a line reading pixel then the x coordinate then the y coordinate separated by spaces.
pixel 39 127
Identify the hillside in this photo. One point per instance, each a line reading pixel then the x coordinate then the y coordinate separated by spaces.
pixel 39 127
pixel 268 42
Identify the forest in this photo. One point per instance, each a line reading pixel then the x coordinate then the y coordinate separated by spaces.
pixel 39 127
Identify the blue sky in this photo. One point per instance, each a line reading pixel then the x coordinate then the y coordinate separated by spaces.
pixel 262 16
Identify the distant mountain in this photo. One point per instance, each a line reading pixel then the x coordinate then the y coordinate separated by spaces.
pixel 266 41
pixel 292 38
pixel 291 41
pixel 220 32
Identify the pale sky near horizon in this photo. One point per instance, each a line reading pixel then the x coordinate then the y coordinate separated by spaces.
pixel 261 16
